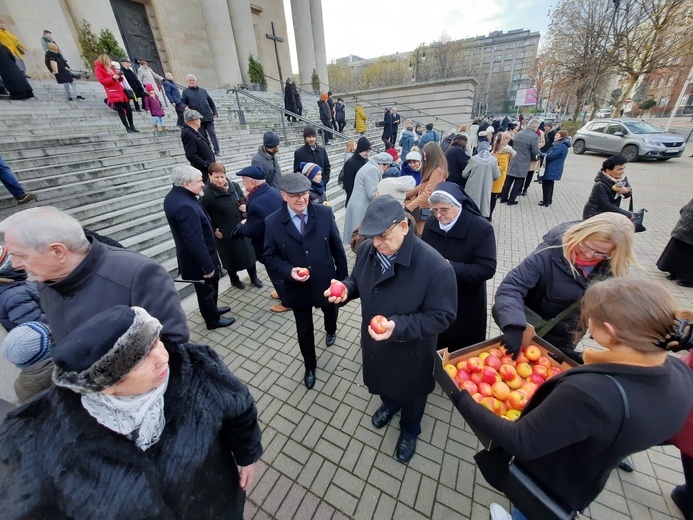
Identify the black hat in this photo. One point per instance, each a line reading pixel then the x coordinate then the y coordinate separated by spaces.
pixel 429 126
pixel 309 131
pixel 293 183
pixel 381 214
pixel 103 350
pixel 254 172
pixel 363 144
pixel 270 139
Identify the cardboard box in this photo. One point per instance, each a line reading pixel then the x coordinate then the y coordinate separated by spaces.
pixel 450 387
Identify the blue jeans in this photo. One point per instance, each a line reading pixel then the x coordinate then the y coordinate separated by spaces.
pixel 10 181
pixel 517 515
pixel 159 120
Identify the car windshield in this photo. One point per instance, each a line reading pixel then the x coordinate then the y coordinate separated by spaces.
pixel 643 127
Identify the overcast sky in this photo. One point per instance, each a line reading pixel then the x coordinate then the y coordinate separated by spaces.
pixel 372 28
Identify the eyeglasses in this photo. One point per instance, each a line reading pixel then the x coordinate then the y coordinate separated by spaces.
pixel 441 211
pixel 595 254
pixel 297 196
pixel 383 236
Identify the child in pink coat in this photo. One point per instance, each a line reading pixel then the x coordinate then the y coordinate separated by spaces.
pixel 152 104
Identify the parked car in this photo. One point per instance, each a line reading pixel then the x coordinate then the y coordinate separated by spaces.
pixel 603 113
pixel 633 138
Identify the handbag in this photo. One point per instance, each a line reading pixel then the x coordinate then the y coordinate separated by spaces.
pixel 639 217
pixel 525 492
pixel 541 325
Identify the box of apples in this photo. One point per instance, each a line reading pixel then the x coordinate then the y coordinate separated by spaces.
pixel 494 379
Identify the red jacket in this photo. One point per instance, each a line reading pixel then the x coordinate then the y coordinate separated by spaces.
pixel 114 90
pixel 684 439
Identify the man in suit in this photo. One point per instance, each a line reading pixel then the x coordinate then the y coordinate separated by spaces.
pixel 196 146
pixel 134 83
pixel 304 236
pixel 196 248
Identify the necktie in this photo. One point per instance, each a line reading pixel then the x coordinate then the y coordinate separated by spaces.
pixel 302 218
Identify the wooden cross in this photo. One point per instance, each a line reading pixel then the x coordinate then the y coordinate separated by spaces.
pixel 276 39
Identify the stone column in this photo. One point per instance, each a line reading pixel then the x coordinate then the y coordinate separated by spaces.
pixel 300 14
pixel 98 13
pixel 319 42
pixel 244 34
pixel 215 14
pixel 30 18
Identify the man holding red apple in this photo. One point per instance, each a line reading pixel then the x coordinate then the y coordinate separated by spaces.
pixel 304 250
pixel 408 296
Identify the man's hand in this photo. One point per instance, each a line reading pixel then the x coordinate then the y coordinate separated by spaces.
pixel 246 475
pixel 218 234
pixel 209 275
pixel 389 325
pixel 333 299
pixel 297 277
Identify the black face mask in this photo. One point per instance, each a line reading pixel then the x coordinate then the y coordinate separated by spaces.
pixel 419 132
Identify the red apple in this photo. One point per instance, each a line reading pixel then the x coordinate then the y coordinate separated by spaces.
pixel 508 360
pixel 303 272
pixel 515 383
pixel 532 352
pixel 541 370
pixel 477 397
pixel 476 378
pixel 377 324
pixel 485 389
pixel 338 289
pixel 507 372
pixel 492 361
pixel 496 353
pixel 462 376
pixel 544 361
pixel 502 408
pixel 489 375
pixel 517 400
pixel 555 370
pixel 529 388
pixel 521 358
pixel 492 404
pixel 474 364
pixel 536 379
pixel 523 370
pixel 469 387
pixel 462 365
pixel 484 355
pixel 500 390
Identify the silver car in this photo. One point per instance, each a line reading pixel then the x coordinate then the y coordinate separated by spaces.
pixel 633 138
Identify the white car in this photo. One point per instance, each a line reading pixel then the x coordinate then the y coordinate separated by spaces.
pixel 603 113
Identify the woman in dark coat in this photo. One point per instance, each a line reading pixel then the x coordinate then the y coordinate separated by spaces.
pixel 14 80
pixel 223 202
pixel 677 257
pixel 153 431
pixel 57 65
pixel 459 232
pixel 387 136
pixel 555 160
pixel 290 94
pixel 610 185
pixel 340 114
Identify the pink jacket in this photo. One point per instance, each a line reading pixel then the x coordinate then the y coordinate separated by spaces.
pixel 153 105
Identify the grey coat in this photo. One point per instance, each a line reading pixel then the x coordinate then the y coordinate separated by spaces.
pixel 269 163
pixel 365 186
pixel 480 173
pixel 526 144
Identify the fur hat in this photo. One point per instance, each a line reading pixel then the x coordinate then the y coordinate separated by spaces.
pixel 104 349
pixel 309 131
pixel 270 139
pixel 381 214
pixel 254 172
pixel 293 183
pixel 362 145
pixel 310 169
pixel 28 344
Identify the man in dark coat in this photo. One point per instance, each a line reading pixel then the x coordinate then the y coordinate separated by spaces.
pixel 457 158
pixel 197 98
pixel 134 83
pixel 470 247
pixel 311 152
pixel 12 77
pixel 78 277
pixel 387 137
pixel 173 95
pixel 354 164
pixel 266 158
pixel 402 278
pixel 325 113
pixel 290 94
pixel 301 236
pixel 396 119
pixel 196 249
pixel 196 146
pixel 526 146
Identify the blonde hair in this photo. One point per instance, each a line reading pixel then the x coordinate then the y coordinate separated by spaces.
pixel 434 158
pixel 350 146
pixel 614 228
pixel 500 140
pixel 462 128
pixel 105 60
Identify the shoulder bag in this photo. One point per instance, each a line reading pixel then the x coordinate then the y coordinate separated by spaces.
pixel 525 492
pixel 542 326
pixel 639 217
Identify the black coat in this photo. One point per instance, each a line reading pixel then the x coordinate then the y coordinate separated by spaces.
pixel 351 167
pixel 683 230
pixel 420 296
pixel 192 232
pixel 58 463
pixel 340 113
pixel 290 93
pixel 197 149
pixel 63 75
pixel 387 126
pixel 198 99
pixel 320 250
pixel 134 83
pixel 12 77
pixel 222 208
pixel 395 126
pixel 604 199
pixel 549 137
pixel 318 155
pixel 457 161
pixel 262 202
pixel 19 303
pixel 325 113
pixel 470 247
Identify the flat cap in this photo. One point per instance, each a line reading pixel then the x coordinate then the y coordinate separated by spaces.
pixel 191 115
pixel 293 183
pixel 254 172
pixel 381 214
pixel 382 158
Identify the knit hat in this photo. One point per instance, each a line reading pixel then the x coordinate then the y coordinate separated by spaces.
pixel 191 115
pixel 270 139
pixel 393 153
pixel 362 145
pixel 381 214
pixel 293 183
pixel 104 349
pixel 414 156
pixel 323 96
pixel 309 131
pixel 382 158
pixel 149 87
pixel 310 169
pixel 254 172
pixel 27 344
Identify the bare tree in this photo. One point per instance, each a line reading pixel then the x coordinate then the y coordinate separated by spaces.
pixel 445 54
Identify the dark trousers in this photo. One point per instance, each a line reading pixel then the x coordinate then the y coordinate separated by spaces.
pixel 125 113
pixel 547 189
pixel 10 181
pixel 528 181
pixel 511 188
pixel 252 273
pixel 326 135
pixel 304 331
pixel 207 130
pixel 341 124
pixel 180 109
pixel 412 412
pixel 136 103
pixel 207 294
pixel 494 201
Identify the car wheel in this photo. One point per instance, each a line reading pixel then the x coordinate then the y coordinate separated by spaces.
pixel 630 152
pixel 579 147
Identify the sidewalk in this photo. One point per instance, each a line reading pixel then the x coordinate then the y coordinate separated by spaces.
pixel 324 460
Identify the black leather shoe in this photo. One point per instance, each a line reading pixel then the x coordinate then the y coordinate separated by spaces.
pixel 524 193
pixel 238 284
pixel 256 282
pixel 682 283
pixel 541 202
pixel 381 417
pixel 406 447
pixel 135 130
pixel 309 378
pixel 221 322
pixel 223 310
pixel 330 339
pixel 626 465
pixel 512 203
pixel 680 497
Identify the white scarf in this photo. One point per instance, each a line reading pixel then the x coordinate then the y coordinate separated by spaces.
pixel 140 416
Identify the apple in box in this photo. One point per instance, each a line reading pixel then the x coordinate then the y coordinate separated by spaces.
pixel 377 324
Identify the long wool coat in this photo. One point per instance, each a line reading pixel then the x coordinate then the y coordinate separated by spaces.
pixel 115 93
pixel 420 296
pixel 480 172
pixel 58 463
pixel 526 146
pixel 365 186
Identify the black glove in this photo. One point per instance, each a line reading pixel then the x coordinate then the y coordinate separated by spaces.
pixel 236 233
pixel 512 339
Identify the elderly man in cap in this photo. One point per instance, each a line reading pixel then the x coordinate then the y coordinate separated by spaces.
pixel 263 200
pixel 196 146
pixel 310 152
pixel 354 164
pixel 266 158
pixel 413 287
pixel 197 98
pixel 304 251
pixel 79 276
pixel 196 248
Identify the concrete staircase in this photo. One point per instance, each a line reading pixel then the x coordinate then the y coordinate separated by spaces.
pixel 77 156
